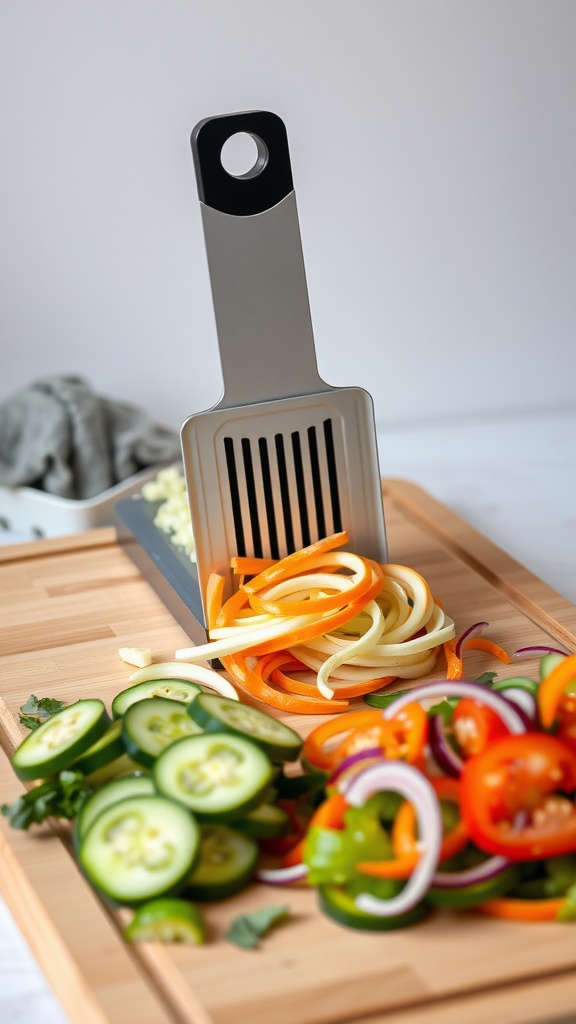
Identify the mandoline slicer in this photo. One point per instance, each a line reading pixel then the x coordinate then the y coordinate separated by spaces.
pixel 284 458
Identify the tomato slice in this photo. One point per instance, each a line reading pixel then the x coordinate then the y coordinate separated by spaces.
pixel 513 797
pixel 475 726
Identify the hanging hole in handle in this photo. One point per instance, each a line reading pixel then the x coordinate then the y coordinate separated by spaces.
pixel 244 155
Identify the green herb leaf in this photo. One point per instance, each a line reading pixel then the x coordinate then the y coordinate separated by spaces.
pixel 248 929
pixel 38 710
pixel 445 708
pixel 382 700
pixel 61 797
pixel 486 679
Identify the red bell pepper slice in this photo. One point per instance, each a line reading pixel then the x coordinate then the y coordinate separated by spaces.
pixel 512 797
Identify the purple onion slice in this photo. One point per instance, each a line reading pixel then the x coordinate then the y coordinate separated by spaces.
pixel 370 754
pixel 444 754
pixel 527 652
pixel 478 627
pixel 398 777
pixel 483 872
pixel 509 714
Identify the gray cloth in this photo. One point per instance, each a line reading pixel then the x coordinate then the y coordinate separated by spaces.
pixel 60 437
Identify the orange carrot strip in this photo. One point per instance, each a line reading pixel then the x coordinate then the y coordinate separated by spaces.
pixel 294 563
pixel 325 624
pixel 291 565
pixel 345 691
pixel 454 666
pixel 236 665
pixel 551 689
pixel 480 643
pixel 214 592
pixel 247 565
pixel 321 603
pixel 512 909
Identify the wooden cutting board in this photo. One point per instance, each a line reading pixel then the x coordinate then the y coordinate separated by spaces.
pixel 66 606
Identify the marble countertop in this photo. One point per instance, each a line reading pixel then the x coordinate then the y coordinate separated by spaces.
pixel 513 479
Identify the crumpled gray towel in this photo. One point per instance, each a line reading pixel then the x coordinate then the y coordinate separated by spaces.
pixel 58 436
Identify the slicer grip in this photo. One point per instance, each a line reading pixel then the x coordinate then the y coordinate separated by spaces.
pixel 259 189
pixel 256 265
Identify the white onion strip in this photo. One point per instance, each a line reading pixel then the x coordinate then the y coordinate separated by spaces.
pixel 461 688
pixel 359 646
pixel 398 777
pixel 282 876
pixel 189 673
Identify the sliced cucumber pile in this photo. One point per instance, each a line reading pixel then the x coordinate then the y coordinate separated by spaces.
pixel 179 795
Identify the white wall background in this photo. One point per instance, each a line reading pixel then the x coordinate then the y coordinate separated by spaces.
pixel 434 152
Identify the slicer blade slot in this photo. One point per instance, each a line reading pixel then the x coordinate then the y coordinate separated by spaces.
pixel 234 495
pixel 252 498
pixel 331 464
pixel 300 488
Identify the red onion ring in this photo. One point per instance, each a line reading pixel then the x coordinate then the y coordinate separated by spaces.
pixel 527 652
pixel 483 872
pixel 354 759
pixel 471 631
pixel 462 688
pixel 444 754
pixel 398 777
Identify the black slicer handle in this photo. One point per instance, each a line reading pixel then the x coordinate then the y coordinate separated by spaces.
pixel 261 188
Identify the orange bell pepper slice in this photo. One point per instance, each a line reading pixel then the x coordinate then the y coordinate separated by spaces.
pixel 551 689
pixel 405 841
pixel 314 752
pixel 512 909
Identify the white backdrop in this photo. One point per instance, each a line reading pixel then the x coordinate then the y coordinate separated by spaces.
pixel 433 146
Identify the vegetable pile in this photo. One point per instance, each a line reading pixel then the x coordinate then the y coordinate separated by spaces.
pixel 456 794
pixel 355 624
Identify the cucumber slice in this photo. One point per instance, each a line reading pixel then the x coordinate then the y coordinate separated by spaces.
pixel 167 920
pixel 106 749
pixel 226 863
pixel 152 724
pixel 59 742
pixel 139 848
pixel 220 714
pixel 168 688
pixel 268 821
pixel 549 662
pixel 517 683
pixel 338 903
pixel 111 793
pixel 216 775
pixel 120 766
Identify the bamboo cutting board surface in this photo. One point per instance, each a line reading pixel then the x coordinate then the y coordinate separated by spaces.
pixel 66 606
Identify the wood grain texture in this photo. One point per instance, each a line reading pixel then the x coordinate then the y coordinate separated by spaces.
pixel 65 609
